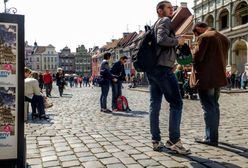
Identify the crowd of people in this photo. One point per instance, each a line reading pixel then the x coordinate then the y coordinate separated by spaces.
pixel 236 80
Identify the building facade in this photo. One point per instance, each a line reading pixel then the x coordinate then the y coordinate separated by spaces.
pixel 67 60
pixel 82 61
pixel 230 17
pixel 40 58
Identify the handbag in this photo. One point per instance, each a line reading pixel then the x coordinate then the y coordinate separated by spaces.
pixel 193 81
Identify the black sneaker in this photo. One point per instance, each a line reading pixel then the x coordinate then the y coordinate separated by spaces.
pixel 206 142
pixel 158 145
pixel 106 111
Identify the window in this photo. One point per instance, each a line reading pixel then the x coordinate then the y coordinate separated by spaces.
pixel 37 59
pixel 45 66
pixel 38 66
pixel 44 59
pixel 55 59
pixel 241 14
pixel 223 21
pixel 48 59
pixel 48 52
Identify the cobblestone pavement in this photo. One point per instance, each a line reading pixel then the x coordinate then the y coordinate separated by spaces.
pixel 78 135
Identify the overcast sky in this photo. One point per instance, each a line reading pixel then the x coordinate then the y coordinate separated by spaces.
pixel 88 22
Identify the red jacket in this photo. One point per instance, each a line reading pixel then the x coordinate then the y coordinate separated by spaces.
pixel 47 78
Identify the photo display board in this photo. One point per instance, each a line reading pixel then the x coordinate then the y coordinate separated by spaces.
pixel 12 88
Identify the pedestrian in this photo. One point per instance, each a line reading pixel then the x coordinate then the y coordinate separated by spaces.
pixel 229 82
pixel 243 80
pixel 60 81
pixel 105 77
pixel 48 82
pixel 118 71
pixel 180 78
pixel 233 76
pixel 76 81
pixel 163 82
pixel 71 80
pixel 211 50
pixel 40 80
pixel 80 80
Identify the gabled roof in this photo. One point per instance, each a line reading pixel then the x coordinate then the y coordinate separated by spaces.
pixel 126 39
pixel 111 45
pixel 186 26
pixel 40 50
pixel 179 17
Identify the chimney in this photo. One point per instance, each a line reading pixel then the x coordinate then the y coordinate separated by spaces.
pixel 184 4
pixel 125 34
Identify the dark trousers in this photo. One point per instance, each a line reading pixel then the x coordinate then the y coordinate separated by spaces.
pixel 104 95
pixel 209 101
pixel 116 92
pixel 37 102
pixel 48 88
pixel 61 89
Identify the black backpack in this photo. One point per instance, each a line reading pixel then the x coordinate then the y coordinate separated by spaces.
pixel 144 56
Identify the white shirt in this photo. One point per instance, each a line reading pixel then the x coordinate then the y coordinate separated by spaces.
pixel 31 88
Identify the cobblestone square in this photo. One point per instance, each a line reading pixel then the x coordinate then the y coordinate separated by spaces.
pixel 79 135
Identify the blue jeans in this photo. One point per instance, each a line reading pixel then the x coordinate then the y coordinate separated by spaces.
pixel 116 92
pixel 163 82
pixel 209 101
pixel 104 95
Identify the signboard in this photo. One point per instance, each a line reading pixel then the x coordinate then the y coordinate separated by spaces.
pixel 12 88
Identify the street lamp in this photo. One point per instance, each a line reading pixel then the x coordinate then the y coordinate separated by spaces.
pixel 10 10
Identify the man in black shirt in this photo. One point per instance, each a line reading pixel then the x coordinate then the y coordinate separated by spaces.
pixel 118 71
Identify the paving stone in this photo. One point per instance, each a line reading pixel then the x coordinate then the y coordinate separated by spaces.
pixel 171 164
pixel 93 164
pixel 34 161
pixel 108 161
pixel 116 166
pixel 49 158
pixel 51 163
pixel 120 155
pixel 127 160
pixel 65 153
pixel 103 155
pixel 134 166
pixel 88 158
pixel 70 163
pixel 67 158
pixel 140 156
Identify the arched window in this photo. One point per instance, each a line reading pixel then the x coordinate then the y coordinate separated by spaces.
pixel 241 14
pixel 210 20
pixel 224 19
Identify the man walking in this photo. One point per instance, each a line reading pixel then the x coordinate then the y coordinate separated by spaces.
pixel 163 82
pixel 48 82
pixel 210 57
pixel 118 71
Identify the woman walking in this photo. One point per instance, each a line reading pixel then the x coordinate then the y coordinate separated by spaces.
pixel 60 80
